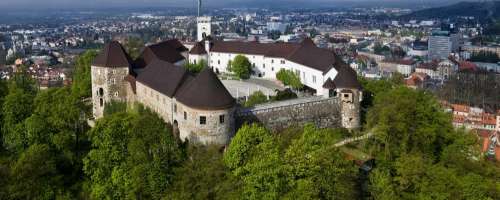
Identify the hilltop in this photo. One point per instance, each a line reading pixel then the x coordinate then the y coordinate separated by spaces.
pixel 480 10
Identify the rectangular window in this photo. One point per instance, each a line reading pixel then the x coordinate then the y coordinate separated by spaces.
pixel 264 66
pixel 203 120
pixel 185 116
pixel 314 79
pixel 175 108
pixel 272 60
pixel 282 61
pixel 272 69
pixel 221 119
pixel 218 62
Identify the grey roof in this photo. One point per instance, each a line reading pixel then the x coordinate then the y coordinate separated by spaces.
pixel 113 55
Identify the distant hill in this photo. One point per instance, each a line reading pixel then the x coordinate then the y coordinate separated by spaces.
pixel 480 10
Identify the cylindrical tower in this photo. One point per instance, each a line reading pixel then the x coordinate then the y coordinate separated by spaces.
pixel 108 74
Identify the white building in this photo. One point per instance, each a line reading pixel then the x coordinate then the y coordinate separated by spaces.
pixel 276 26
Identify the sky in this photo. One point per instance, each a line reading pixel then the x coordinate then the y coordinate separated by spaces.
pixel 61 4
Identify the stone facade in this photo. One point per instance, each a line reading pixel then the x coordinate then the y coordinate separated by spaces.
pixel 218 126
pixel 108 85
pixel 323 112
pixel 350 108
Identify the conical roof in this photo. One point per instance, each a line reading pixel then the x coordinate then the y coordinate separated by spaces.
pixel 113 55
pixel 346 78
pixel 198 49
pixel 205 92
pixel 329 84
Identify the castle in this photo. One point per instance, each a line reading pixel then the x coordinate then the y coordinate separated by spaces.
pixel 199 107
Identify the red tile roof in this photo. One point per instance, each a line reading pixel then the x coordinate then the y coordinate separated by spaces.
pixel 460 108
pixel 466 65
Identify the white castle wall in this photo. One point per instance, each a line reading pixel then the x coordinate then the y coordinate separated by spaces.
pixel 267 67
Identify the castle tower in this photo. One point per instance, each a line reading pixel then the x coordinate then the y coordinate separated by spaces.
pixel 204 27
pixel 348 91
pixel 108 74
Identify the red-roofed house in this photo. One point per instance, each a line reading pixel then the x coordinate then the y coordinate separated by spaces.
pixel 416 80
pixel 467 66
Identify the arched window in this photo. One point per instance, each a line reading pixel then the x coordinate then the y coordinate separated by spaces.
pixel 101 92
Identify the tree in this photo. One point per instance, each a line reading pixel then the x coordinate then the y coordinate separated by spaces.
pixel 204 176
pixel 17 106
pixel 256 98
pixel 484 56
pixel 251 150
pixel 34 175
pixel 303 165
pixel 134 46
pixel 82 86
pixel 288 77
pixel 419 154
pixel 241 66
pixel 132 156
pixel 284 95
pixel 406 120
pixel 195 67
pixel 114 107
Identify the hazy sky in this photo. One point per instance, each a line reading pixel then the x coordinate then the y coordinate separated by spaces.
pixel 33 4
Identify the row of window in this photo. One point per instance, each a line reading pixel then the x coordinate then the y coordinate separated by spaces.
pixel 203 119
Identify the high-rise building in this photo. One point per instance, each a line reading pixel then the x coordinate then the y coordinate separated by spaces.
pixel 444 42
pixel 440 44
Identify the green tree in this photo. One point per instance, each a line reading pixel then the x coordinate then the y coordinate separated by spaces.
pixel 419 154
pixel 34 175
pixel 114 107
pixel 303 165
pixel 406 120
pixel 195 67
pixel 134 46
pixel 284 95
pixel 82 86
pixel 241 66
pixel 204 176
pixel 289 78
pixel 257 97
pixel 17 106
pixel 132 156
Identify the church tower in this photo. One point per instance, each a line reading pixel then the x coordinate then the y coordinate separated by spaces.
pixel 204 24
pixel 204 27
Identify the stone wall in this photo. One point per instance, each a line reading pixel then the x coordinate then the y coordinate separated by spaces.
pixel 323 112
pixel 212 132
pixel 156 101
pixel 108 85
pixel 189 127
pixel 350 108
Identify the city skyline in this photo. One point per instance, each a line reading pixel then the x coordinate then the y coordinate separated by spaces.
pixel 75 4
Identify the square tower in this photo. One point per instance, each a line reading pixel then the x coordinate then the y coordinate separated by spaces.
pixel 204 27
